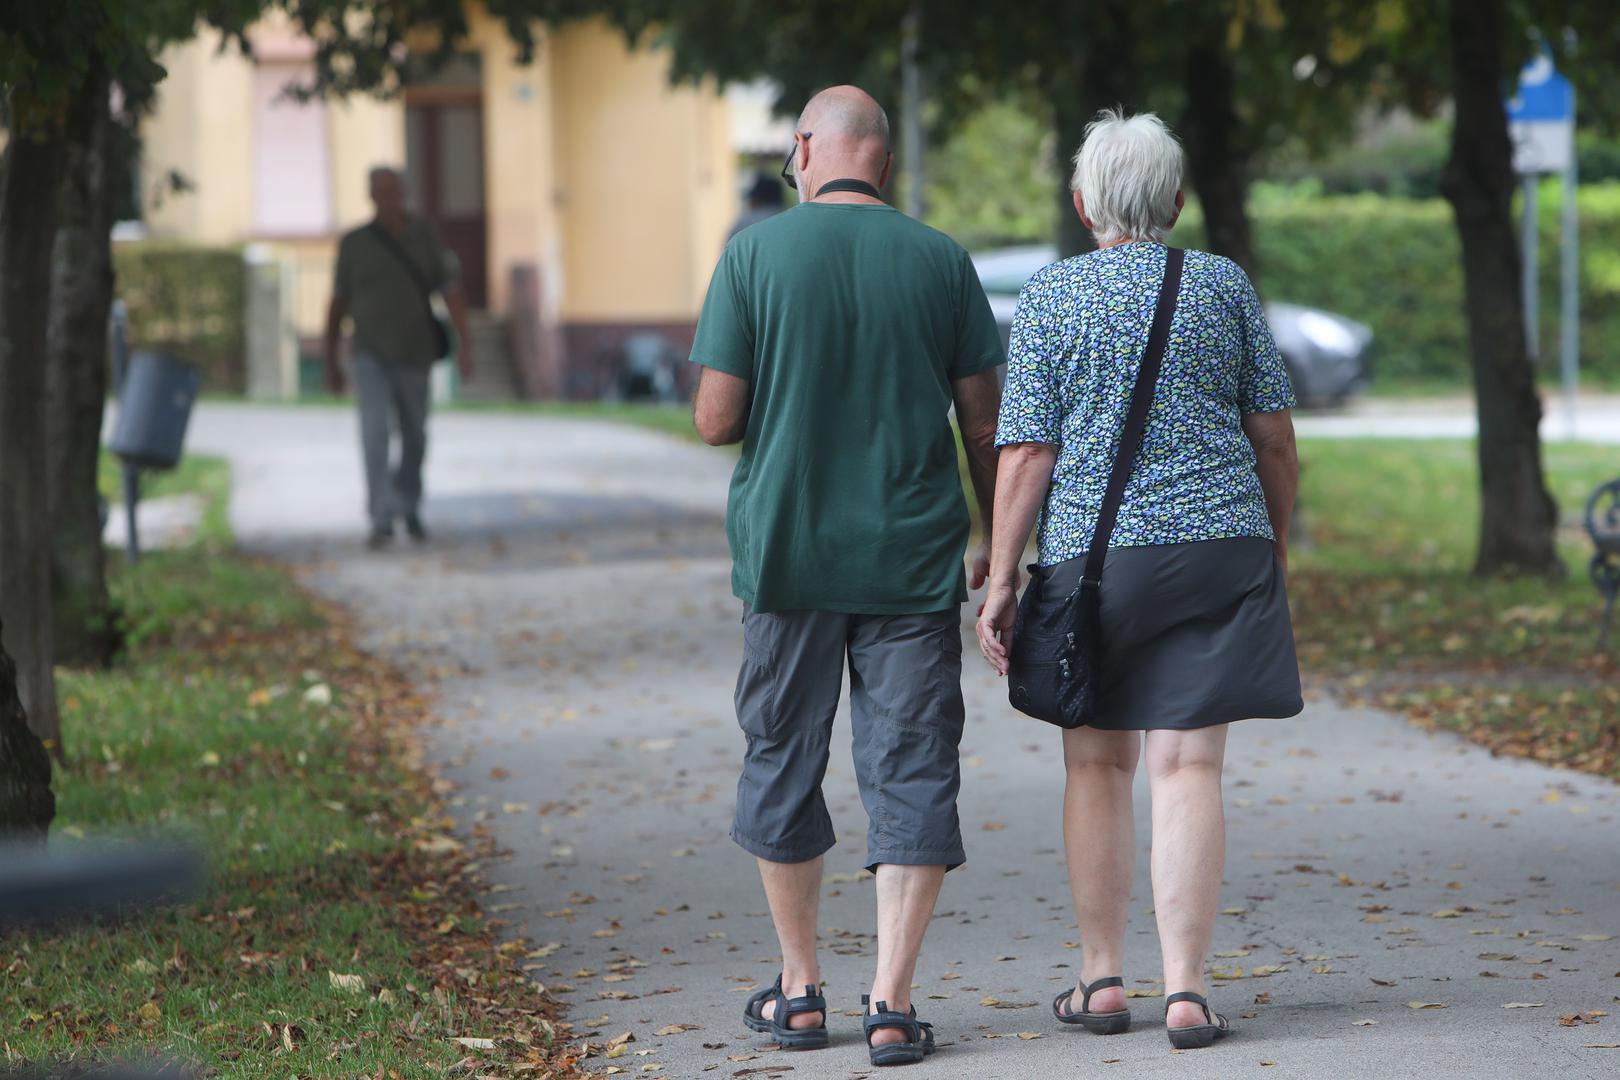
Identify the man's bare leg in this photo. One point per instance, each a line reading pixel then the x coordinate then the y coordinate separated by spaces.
pixel 905 902
pixel 794 893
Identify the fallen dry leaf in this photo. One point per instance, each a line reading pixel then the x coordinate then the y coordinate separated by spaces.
pixel 472 1042
pixel 1424 1005
pixel 352 984
pixel 1524 1005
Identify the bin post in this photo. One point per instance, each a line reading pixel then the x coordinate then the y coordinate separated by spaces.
pixel 132 495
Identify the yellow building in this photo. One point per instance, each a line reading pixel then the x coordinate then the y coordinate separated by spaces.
pixel 585 198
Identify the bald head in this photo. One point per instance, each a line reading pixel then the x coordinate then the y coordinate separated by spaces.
pixel 842 133
pixel 848 115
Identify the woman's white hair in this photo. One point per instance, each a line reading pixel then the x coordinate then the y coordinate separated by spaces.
pixel 1128 171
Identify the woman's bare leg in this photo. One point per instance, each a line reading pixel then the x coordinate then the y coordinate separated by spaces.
pixel 1099 834
pixel 1189 851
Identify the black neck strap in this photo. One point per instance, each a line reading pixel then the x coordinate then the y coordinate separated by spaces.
pixel 859 187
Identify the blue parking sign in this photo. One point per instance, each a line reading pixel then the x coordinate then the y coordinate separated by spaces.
pixel 1541 119
pixel 1544 95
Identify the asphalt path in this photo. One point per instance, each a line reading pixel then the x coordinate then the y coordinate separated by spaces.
pixel 573 617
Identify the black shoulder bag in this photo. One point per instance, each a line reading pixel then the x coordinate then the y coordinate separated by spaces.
pixel 441 330
pixel 1053 671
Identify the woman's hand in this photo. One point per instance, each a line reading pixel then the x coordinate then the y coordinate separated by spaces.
pixel 995 626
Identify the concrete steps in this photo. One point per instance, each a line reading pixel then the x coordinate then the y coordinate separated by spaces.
pixel 494 378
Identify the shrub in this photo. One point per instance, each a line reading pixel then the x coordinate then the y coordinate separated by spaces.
pixel 1395 264
pixel 189 302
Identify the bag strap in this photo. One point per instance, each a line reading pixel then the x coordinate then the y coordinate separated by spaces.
pixel 1130 440
pixel 397 249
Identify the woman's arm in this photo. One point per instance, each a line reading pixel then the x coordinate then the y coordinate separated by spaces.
pixel 1022 477
pixel 1277 461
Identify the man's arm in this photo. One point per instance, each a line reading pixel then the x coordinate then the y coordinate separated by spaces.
pixel 334 343
pixel 978 404
pixel 456 301
pixel 1277 461
pixel 720 407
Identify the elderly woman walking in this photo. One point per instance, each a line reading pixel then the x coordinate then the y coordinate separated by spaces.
pixel 1190 615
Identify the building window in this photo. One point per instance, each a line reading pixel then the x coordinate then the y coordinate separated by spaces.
pixel 292 168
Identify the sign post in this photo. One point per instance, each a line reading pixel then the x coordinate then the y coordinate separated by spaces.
pixel 1541 122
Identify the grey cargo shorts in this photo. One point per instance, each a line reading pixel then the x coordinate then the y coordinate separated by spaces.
pixel 905 676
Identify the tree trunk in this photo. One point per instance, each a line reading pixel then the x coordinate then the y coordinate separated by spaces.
pixel 26 802
pixel 81 295
pixel 1104 78
pixel 32 179
pixel 1218 168
pixel 1518 516
pixel 1070 114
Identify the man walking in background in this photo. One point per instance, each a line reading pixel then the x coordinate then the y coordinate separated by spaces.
pixel 764 200
pixel 387 272
pixel 835 339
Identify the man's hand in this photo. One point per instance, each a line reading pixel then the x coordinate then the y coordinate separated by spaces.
pixel 334 373
pixel 978 565
pixel 466 362
pixel 1281 549
pixel 995 626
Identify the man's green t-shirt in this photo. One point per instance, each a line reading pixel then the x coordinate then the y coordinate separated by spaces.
pixel 849 321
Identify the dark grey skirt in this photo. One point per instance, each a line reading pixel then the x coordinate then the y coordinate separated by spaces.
pixel 1192 635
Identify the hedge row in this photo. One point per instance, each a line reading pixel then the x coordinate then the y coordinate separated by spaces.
pixel 1394 264
pixel 189 302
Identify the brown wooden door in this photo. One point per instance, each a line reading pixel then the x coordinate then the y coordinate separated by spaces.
pixel 444 149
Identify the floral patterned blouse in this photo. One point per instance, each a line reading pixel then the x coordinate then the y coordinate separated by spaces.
pixel 1077 341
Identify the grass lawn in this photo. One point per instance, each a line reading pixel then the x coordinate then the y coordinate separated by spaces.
pixel 338 934
pixel 674 419
pixel 1383 600
pixel 205 478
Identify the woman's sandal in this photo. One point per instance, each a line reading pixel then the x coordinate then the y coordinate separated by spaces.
pixel 1108 1023
pixel 776 1025
pixel 919 1041
pixel 1197 1036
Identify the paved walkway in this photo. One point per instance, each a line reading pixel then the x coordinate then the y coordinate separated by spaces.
pixel 575 614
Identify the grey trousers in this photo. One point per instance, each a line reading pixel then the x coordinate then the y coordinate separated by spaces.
pixel 905 691
pixel 391 396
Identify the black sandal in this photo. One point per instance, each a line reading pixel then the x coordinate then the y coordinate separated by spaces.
pixel 920 1037
pixel 776 1026
pixel 1108 1023
pixel 1198 1036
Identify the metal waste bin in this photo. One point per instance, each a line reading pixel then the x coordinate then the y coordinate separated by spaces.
pixel 154 407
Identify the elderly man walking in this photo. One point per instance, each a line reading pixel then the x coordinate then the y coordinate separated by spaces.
pixel 387 272
pixel 835 339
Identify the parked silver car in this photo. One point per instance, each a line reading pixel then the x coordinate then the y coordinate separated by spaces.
pixel 1328 355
